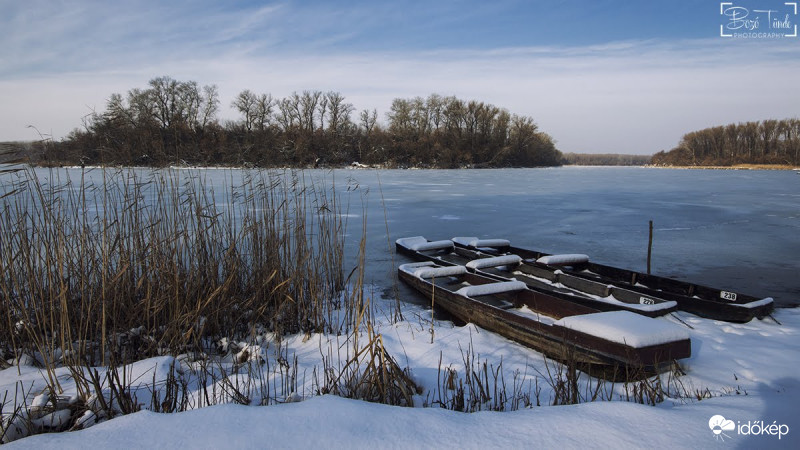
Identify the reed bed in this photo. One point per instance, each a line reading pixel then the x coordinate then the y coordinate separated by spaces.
pixel 102 268
pixel 120 265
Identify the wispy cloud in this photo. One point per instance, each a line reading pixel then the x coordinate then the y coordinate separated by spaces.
pixel 632 96
pixel 58 37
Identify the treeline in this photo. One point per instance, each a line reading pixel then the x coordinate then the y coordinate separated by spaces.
pixel 766 142
pixel 605 159
pixel 11 152
pixel 176 122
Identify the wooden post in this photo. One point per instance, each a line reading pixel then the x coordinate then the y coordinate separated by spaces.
pixel 650 247
pixel 433 296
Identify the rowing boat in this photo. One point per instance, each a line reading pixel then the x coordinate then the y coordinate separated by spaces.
pixel 713 303
pixel 601 296
pixel 621 343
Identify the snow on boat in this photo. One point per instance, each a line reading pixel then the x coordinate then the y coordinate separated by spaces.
pixel 601 296
pixel 621 344
pixel 703 301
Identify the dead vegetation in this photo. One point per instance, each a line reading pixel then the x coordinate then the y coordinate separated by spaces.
pixel 102 272
pixel 122 265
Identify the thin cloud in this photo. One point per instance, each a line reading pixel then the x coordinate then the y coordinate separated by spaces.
pixel 631 96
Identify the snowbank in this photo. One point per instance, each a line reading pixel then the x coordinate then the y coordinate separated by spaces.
pixel 749 371
pixel 333 422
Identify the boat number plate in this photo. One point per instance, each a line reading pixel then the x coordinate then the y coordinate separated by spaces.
pixel 646 301
pixel 725 295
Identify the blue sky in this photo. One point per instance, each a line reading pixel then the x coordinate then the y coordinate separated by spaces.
pixel 601 76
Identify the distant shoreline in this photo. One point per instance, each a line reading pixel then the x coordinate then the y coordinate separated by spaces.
pixel 732 167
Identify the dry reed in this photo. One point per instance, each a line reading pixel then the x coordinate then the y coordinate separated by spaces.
pixel 123 265
pixel 106 267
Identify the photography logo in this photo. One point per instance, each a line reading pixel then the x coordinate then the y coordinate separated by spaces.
pixel 758 19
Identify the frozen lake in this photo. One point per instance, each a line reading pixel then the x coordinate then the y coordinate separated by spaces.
pixel 739 230
pixel 736 230
pixel 732 229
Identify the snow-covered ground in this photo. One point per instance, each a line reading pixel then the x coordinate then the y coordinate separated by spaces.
pixel 749 371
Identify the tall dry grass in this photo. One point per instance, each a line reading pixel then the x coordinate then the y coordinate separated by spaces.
pixel 119 265
pixel 105 267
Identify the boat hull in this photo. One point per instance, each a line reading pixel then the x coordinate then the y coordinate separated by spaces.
pixel 704 301
pixel 601 356
pixel 583 294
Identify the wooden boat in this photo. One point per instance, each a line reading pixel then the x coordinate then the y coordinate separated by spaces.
pixel 600 296
pixel 621 344
pixel 708 302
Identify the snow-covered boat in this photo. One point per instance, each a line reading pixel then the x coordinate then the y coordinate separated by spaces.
pixel 704 301
pixel 601 296
pixel 621 344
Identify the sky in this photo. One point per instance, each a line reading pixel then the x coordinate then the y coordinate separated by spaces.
pixel 605 76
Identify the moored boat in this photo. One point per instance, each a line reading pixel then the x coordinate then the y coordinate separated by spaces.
pixel 621 344
pixel 713 303
pixel 601 296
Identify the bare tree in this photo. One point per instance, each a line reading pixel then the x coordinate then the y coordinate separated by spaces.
pixel 339 111
pixel 264 107
pixel 322 108
pixel 245 103
pixel 368 120
pixel 307 103
pixel 289 112
pixel 209 106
